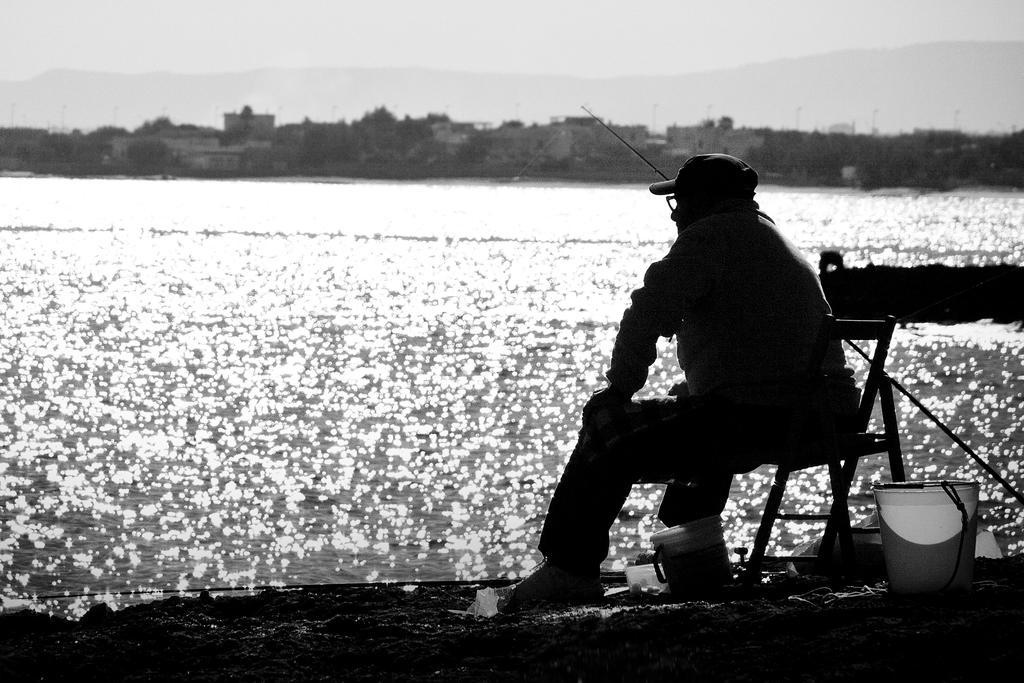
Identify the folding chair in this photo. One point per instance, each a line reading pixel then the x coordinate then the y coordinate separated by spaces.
pixel 816 438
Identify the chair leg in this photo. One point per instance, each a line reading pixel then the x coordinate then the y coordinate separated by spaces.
pixel 828 539
pixel 840 478
pixel 839 521
pixel 891 428
pixel 764 531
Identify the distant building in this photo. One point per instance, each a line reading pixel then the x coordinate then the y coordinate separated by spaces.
pixel 454 133
pixel 524 144
pixel 220 159
pixel 842 129
pixel 583 138
pixel 255 125
pixel 685 141
pixel 249 156
pixel 582 121
pixel 15 144
pixel 184 147
pixel 638 136
pixel 199 151
pixel 181 144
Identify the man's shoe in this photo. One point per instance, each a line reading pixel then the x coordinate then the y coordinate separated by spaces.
pixel 552 584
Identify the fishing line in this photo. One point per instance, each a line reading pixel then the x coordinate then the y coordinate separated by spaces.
pixel 946 430
pixel 825 597
pixel 536 156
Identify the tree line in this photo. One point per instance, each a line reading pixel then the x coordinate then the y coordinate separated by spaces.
pixel 929 159
pixel 383 145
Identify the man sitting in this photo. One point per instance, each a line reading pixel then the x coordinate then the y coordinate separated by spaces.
pixel 745 307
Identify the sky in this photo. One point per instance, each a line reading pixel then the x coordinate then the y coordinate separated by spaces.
pixel 588 38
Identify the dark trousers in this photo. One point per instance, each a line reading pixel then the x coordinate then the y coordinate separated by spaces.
pixel 689 440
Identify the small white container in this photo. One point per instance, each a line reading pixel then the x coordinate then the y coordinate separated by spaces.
pixel 642 578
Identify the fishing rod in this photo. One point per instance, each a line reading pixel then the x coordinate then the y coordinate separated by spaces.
pixel 946 430
pixel 633 149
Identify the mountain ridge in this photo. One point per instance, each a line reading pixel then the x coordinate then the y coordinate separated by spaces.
pixel 780 60
pixel 974 86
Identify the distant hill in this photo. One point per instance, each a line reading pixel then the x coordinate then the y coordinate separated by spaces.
pixel 977 87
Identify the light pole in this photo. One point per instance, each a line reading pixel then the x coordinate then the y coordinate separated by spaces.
pixel 874 116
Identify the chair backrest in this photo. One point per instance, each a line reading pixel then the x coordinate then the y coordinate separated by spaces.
pixel 880 332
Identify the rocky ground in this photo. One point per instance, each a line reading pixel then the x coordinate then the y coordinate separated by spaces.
pixel 791 628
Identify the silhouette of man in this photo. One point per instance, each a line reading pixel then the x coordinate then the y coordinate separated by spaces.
pixel 745 307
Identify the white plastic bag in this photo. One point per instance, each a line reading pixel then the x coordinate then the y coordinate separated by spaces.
pixel 485 604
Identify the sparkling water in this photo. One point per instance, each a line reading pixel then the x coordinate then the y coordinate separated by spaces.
pixel 249 383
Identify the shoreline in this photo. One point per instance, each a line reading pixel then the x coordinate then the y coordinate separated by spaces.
pixel 790 628
pixel 540 181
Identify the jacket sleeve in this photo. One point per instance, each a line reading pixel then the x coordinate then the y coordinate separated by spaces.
pixel 671 287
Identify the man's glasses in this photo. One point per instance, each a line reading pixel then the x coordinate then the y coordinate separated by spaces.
pixel 671 201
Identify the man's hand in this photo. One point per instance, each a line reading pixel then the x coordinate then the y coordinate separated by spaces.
pixel 601 398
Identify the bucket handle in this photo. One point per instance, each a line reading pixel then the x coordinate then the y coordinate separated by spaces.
pixel 964 521
pixel 657 564
pixel 955 497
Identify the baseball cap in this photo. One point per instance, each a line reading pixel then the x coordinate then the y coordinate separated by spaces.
pixel 719 174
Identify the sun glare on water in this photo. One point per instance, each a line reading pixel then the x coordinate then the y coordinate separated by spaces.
pixel 192 408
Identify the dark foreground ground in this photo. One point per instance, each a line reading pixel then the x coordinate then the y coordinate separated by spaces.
pixel 794 628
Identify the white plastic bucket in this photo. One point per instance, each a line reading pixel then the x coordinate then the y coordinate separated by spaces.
pixel 692 557
pixel 927 539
